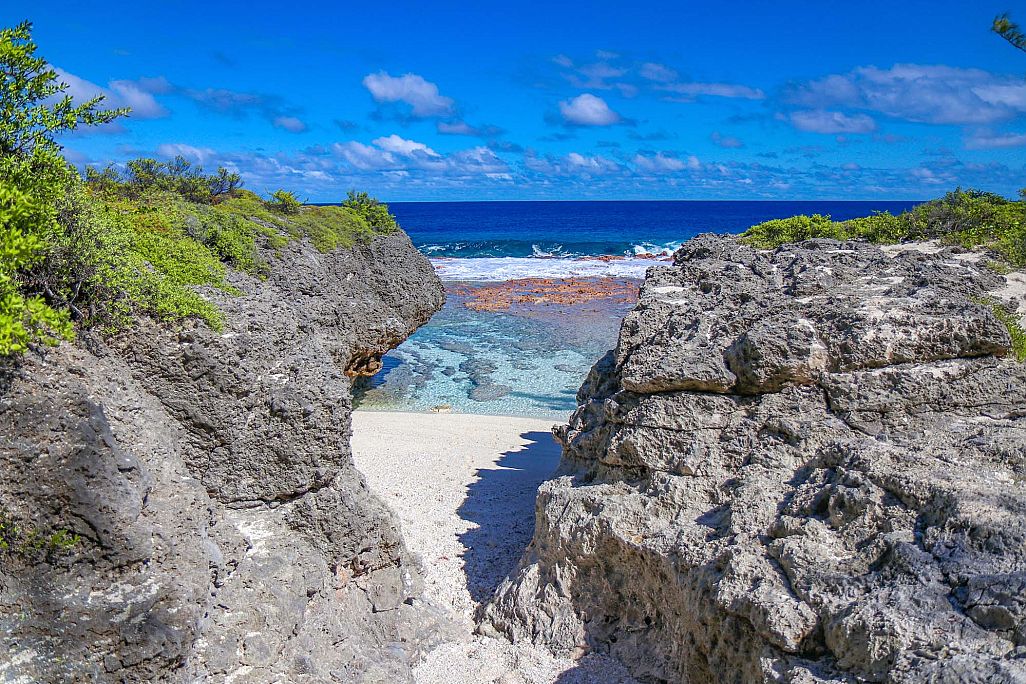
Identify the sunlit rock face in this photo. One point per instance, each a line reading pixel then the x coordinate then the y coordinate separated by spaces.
pixel 805 465
pixel 225 533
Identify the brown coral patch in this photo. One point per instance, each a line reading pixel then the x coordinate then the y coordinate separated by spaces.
pixel 532 292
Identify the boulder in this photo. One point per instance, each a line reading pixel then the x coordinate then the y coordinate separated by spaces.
pixel 804 465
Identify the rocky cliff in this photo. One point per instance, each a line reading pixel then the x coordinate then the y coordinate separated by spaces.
pixel 224 533
pixel 805 465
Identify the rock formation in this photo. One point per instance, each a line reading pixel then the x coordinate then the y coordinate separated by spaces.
pixel 225 533
pixel 805 465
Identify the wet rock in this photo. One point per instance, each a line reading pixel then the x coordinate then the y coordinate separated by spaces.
pixel 489 391
pixel 798 465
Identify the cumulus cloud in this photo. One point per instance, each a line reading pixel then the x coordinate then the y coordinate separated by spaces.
pixel 197 155
pixel 588 110
pixel 663 163
pixel 397 155
pixel 138 94
pixel 822 121
pixel 421 95
pixel 364 157
pixel 407 148
pixel 573 164
pixel 594 164
pixel 921 93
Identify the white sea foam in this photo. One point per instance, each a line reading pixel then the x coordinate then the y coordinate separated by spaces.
pixel 659 250
pixel 495 269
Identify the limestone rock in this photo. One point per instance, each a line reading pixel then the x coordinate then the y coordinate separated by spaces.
pixel 225 533
pixel 805 465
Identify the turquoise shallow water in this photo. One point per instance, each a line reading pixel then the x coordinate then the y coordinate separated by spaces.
pixel 526 363
pixel 531 363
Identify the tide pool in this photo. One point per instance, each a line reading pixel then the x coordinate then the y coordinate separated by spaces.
pixel 520 362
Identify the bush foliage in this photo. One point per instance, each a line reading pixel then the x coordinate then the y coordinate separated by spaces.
pixel 148 237
pixel 969 218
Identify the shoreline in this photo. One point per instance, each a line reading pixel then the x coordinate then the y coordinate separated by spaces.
pixel 451 411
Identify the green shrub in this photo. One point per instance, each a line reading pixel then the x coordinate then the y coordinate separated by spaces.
pixel 880 228
pixel 371 210
pixel 23 318
pixel 794 229
pixel 969 218
pixel 225 182
pixel 284 202
pixel 178 176
pixel 33 180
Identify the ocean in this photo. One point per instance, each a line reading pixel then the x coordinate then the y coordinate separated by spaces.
pixel 529 358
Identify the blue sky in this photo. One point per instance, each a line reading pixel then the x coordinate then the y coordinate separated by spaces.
pixel 549 100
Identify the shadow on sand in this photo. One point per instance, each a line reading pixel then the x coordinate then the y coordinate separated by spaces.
pixel 501 504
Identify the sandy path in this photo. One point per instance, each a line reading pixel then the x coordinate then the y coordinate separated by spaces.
pixel 464 489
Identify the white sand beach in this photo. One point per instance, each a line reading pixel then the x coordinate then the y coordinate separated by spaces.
pixel 464 488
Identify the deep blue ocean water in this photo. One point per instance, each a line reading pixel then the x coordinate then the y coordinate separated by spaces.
pixel 509 364
pixel 525 229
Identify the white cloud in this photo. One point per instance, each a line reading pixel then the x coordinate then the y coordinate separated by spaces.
pixel 921 93
pixel 395 154
pixel 197 155
pixel 984 140
pixel 407 148
pixel 364 157
pixel 574 164
pixel 421 95
pixel 662 163
pixel 588 110
pixel 595 164
pixel 289 123
pixel 657 72
pixel 822 121
pixel 691 90
pixel 456 128
pixel 135 94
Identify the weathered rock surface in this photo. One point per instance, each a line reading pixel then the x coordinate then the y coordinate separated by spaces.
pixel 226 535
pixel 807 465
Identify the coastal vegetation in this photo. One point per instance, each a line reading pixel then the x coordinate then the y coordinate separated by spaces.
pixel 144 238
pixel 968 218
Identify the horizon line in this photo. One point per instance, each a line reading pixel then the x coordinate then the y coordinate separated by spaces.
pixel 483 201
